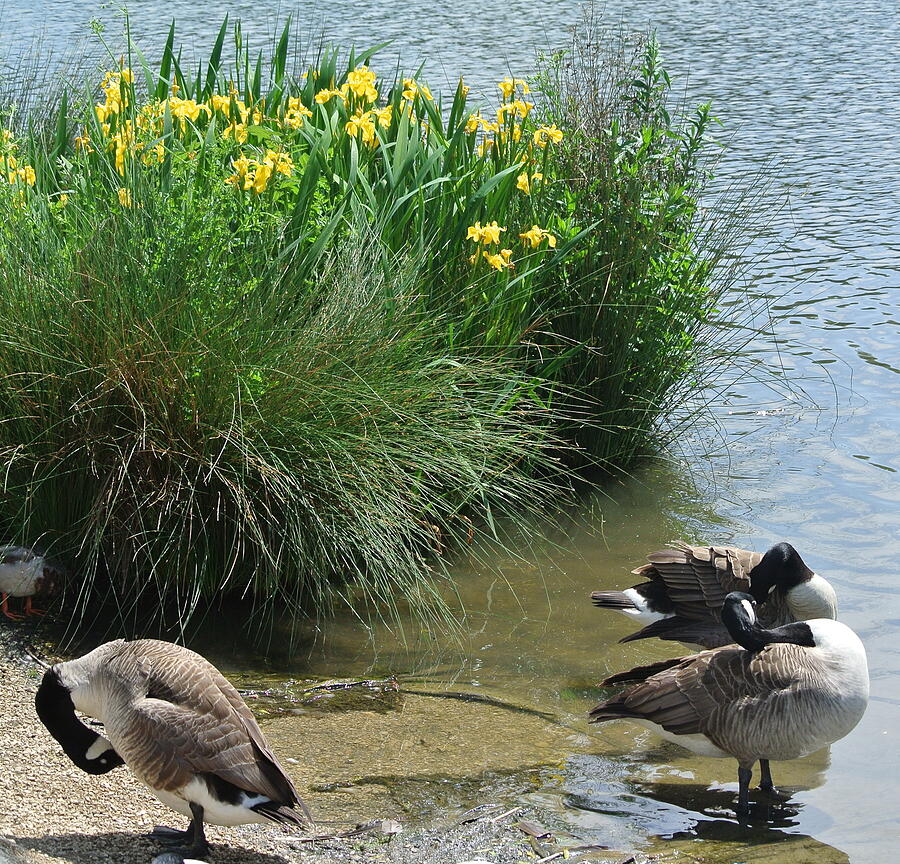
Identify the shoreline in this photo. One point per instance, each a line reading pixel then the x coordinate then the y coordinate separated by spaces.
pixel 56 813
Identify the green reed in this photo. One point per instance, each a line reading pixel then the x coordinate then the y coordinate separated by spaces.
pixel 292 332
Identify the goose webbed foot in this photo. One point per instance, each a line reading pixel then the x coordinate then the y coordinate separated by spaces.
pixel 190 843
pixel 767 787
pixel 172 836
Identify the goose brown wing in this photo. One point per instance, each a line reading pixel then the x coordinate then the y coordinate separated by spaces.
pixel 188 719
pixel 708 633
pixel 697 578
pixel 171 744
pixel 701 693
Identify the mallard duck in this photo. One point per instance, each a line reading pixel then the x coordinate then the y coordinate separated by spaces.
pixel 25 573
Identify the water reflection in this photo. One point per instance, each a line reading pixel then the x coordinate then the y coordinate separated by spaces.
pixel 674 806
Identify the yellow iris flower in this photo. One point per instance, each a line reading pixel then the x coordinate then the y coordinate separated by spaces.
pixel 295 104
pixel 281 162
pixel 362 122
pixel 361 81
pixel 186 109
pixel 546 134
pixel 220 103
pixel 324 96
pixel 485 234
pixel 412 88
pixel 385 116
pixel 508 87
pixel 124 197
pixel 261 177
pixel 472 123
pixel 535 236
pixel 500 260
pixel 238 131
pixel 241 165
pixel 296 112
pixel 155 154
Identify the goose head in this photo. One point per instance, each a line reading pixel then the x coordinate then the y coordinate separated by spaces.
pixel 55 707
pixel 806 593
pixel 739 618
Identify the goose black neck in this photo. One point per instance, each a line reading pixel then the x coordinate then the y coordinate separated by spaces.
pixel 56 711
pixel 748 634
pixel 781 567
pixel 739 619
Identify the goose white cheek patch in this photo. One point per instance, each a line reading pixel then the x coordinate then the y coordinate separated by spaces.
pixel 98 748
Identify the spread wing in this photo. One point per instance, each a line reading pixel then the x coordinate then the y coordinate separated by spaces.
pixel 697 578
pixel 708 633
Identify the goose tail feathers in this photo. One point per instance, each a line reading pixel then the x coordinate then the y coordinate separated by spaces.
pixel 298 815
pixel 613 600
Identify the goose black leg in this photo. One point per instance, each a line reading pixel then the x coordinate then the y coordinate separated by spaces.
pixel 190 843
pixel 745 772
pixel 766 785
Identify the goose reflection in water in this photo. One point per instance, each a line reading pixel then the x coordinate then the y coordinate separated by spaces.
pixel 660 794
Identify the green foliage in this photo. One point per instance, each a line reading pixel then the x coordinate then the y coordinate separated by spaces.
pixel 187 426
pixel 295 334
pixel 640 294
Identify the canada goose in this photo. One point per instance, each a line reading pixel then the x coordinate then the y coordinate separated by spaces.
pixel 777 694
pixel 686 587
pixel 24 573
pixel 178 724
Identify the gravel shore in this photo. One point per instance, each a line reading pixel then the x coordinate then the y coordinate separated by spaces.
pixel 53 812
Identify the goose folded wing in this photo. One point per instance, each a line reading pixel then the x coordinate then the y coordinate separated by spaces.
pixel 173 743
pixel 693 694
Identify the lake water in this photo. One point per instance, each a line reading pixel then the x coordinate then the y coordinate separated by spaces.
pixel 811 91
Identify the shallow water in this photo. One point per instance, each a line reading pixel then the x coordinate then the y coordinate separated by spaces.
pixel 812 87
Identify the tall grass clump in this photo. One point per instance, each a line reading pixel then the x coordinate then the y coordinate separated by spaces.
pixel 637 315
pixel 289 335
pixel 189 428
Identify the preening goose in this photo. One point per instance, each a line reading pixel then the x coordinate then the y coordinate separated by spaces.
pixel 686 587
pixel 24 573
pixel 178 724
pixel 777 694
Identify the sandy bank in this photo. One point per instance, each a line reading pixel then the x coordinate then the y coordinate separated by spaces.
pixel 53 812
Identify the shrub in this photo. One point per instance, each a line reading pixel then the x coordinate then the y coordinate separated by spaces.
pixel 636 313
pixel 190 427
pixel 287 334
